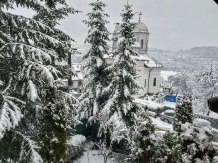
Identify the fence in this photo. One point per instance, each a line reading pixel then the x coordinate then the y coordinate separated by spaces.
pixel 213 121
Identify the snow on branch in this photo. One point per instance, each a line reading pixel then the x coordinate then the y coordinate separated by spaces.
pixel 10 114
pixel 31 146
pixel 24 51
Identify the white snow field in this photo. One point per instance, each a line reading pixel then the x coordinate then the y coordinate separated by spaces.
pixel 92 156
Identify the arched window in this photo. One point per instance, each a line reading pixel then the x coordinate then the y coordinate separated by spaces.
pixel 155 81
pixel 142 42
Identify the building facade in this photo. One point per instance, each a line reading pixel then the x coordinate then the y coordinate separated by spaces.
pixel 141 34
pixel 148 69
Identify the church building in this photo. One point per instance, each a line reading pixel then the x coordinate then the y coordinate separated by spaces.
pixel 148 69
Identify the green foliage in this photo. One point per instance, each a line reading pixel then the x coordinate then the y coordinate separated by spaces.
pixel 52 131
pixel 94 64
pixel 197 140
pixel 30 50
pixel 74 152
pixel 183 112
pixel 143 142
pixel 168 149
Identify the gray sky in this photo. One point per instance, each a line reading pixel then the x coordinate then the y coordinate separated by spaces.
pixel 173 24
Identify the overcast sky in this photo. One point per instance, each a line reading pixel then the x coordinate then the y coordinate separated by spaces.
pixel 173 24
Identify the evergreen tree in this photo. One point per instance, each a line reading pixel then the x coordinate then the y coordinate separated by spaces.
pixel 205 88
pixel 197 141
pixel 143 139
pixel 183 112
pixel 94 63
pixel 168 149
pixel 53 127
pixel 118 112
pixel 29 56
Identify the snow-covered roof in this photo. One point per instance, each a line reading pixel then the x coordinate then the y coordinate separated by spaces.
pixel 136 45
pixel 149 62
pixel 170 104
pixel 152 63
pixel 169 111
pixel 78 77
pixel 76 67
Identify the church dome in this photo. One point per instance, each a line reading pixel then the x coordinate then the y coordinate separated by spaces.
pixel 141 27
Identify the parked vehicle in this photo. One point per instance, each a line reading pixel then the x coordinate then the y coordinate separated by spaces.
pixel 167 116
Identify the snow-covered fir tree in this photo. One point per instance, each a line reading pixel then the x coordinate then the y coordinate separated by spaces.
pixel 205 88
pixel 183 112
pixel 182 83
pixel 52 131
pixel 143 139
pixel 118 112
pixel 94 63
pixel 29 56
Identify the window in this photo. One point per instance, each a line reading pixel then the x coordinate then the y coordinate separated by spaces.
pixel 145 82
pixel 155 81
pixel 142 43
pixel 79 83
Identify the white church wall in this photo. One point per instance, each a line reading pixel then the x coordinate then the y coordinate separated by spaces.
pixel 155 73
pixel 143 75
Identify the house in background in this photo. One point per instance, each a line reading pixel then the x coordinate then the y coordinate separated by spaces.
pixel 148 69
pixel 77 81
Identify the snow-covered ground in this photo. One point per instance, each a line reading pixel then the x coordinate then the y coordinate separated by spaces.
pixel 92 156
pixel 76 140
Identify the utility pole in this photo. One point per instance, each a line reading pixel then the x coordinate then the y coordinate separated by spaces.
pixel 70 65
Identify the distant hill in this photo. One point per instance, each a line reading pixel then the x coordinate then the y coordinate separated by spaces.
pixel 194 59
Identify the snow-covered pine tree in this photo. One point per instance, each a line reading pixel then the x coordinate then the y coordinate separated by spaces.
pixel 143 139
pixel 53 127
pixel 118 112
pixel 182 82
pixel 206 87
pixel 29 56
pixel 94 63
pixel 183 112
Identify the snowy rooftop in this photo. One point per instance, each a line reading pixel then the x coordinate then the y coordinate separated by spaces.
pixel 169 111
pixel 76 67
pixel 136 45
pixel 170 104
pixel 78 77
pixel 148 61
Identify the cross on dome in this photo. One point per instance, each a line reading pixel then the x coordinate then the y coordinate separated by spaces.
pixel 140 14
